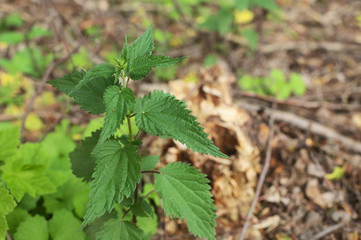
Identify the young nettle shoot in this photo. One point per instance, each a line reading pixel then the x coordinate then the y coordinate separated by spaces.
pixel 112 163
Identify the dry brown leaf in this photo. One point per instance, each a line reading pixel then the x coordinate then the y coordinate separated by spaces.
pixel 269 223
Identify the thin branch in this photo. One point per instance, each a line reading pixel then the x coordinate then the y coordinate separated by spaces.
pixel 8 237
pixel 57 32
pixel 137 135
pixel 261 178
pixel 130 129
pixel 34 63
pixel 152 171
pixel 302 104
pixel 5 118
pixel 146 195
pixel 328 230
pixel 125 214
pixel 302 46
pixel 164 225
pixel 136 198
pixel 38 91
pixel 40 88
pixel 58 120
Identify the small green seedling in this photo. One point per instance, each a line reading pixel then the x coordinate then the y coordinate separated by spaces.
pixel 112 162
pixel 274 85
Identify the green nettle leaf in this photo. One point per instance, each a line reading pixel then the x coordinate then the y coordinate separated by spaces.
pixel 139 58
pixel 124 54
pixel 143 45
pixel 148 163
pixel 116 229
pixel 64 225
pixel 118 102
pixel 115 177
pixel 161 114
pixel 7 202
pixel 99 72
pixel 142 208
pixel 89 96
pixel 142 65
pixel 186 194
pixel 83 163
pixel 33 228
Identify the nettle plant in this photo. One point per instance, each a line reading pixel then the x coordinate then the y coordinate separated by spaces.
pixel 113 164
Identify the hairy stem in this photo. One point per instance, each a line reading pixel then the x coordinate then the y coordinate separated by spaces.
pixel 152 171
pixel 130 129
pixel 146 195
pixel 136 196
pixel 143 198
pixel 136 135
pixel 125 214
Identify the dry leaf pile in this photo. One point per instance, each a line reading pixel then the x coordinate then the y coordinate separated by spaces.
pixel 297 200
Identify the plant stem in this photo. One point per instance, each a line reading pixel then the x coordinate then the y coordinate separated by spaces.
pixel 136 135
pixel 134 220
pixel 125 214
pixel 143 198
pixel 130 129
pixel 152 171
pixel 146 195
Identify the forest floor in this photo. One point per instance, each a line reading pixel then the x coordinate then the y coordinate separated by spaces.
pixel 312 189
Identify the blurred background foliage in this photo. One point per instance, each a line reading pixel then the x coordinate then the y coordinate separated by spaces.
pixel 262 41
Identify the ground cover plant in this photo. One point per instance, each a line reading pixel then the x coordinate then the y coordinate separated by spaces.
pixel 111 162
pixel 40 197
pixel 275 84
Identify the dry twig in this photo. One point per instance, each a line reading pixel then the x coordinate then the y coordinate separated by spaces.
pixel 328 230
pixel 303 104
pixel 261 178
pixel 45 78
pixel 8 237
